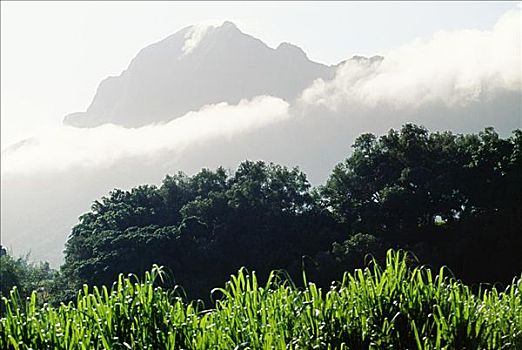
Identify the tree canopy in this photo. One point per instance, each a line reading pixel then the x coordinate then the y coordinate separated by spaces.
pixel 451 199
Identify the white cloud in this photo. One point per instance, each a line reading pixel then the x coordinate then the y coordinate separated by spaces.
pixel 193 37
pixel 67 147
pixel 453 68
pixel 197 33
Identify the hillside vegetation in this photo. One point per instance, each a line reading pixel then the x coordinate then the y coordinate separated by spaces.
pixel 454 201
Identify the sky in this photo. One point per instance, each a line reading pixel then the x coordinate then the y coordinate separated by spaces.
pixel 54 54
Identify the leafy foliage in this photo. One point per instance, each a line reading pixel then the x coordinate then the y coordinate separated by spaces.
pixel 452 199
pixel 26 276
pixel 202 227
pixel 375 308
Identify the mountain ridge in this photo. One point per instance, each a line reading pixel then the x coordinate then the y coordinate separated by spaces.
pixel 196 66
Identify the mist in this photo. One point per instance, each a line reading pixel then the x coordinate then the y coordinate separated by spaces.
pixel 68 147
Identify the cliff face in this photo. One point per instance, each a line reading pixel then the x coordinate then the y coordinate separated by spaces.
pixel 194 67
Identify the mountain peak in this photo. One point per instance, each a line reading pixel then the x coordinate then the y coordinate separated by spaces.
pixel 196 34
pixel 196 66
pixel 229 25
pixel 291 49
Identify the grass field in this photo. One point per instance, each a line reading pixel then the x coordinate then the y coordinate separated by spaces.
pixel 393 307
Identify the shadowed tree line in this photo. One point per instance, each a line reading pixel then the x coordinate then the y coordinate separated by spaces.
pixel 453 200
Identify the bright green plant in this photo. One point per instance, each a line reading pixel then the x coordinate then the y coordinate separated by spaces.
pixel 390 307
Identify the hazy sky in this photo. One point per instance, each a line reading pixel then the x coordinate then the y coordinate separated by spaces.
pixel 54 54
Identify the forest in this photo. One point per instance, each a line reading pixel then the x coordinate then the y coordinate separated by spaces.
pixel 452 201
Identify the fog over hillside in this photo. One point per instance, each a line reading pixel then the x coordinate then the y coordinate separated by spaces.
pixel 210 96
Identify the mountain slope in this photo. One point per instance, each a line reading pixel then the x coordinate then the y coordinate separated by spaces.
pixel 194 67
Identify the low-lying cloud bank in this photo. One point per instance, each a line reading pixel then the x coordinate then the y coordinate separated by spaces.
pixel 453 68
pixel 68 147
